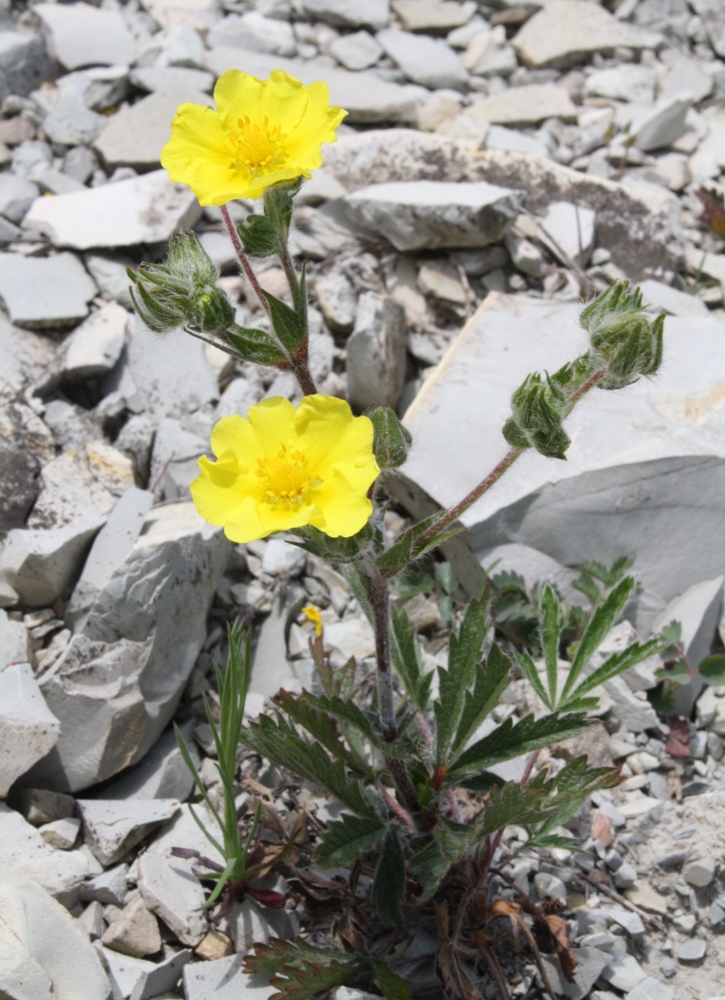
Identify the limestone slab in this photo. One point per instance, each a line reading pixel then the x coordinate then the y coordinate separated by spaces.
pixel 42 565
pixel 95 346
pixel 523 106
pixel 175 895
pixel 45 291
pixel 28 729
pixel 113 827
pixel 81 35
pixel 427 61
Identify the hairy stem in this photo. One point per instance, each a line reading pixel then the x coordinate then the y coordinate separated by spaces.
pixel 242 257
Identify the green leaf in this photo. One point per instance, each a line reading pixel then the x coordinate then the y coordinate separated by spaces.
pixel 511 804
pixel 409 583
pixel 550 633
pixel 408 661
pixel 464 654
pixel 393 987
pixel 446 577
pixel 316 720
pixel 528 668
pixel 509 740
pixel 406 549
pixel 288 324
pixel 388 888
pixel 258 236
pixel 347 838
pixel 615 665
pixel 712 669
pixel 255 345
pixel 603 618
pixel 431 867
pixel 275 955
pixel 490 682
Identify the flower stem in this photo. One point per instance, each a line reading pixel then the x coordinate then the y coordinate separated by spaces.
pixel 242 257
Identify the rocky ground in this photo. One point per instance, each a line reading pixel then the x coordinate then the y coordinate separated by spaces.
pixel 500 161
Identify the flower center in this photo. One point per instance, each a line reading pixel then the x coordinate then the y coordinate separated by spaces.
pixel 286 477
pixel 258 148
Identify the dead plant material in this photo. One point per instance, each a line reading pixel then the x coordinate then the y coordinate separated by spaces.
pixel 713 211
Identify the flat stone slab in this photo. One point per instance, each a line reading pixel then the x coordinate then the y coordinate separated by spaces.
pixel 522 106
pixel 146 209
pixel 45 291
pixel 223 979
pixel 28 729
pixel 645 463
pixel 78 34
pixel 113 827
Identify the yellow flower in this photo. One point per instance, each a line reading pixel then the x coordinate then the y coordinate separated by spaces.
pixel 262 132
pixel 312 614
pixel 281 468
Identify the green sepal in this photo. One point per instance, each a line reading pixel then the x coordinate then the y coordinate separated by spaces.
pixel 391 439
pixel 258 236
pixel 289 326
pixel 335 550
pixel 255 345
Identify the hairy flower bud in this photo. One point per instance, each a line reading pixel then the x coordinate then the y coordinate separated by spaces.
pixel 626 341
pixel 539 407
pixel 391 439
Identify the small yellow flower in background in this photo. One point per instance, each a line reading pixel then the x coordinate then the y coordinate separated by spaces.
pixel 281 468
pixel 263 132
pixel 312 614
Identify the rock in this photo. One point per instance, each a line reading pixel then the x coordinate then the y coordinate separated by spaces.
pixel 23 851
pixel 14 642
pixel 698 612
pixel 134 932
pixel 215 945
pixel 40 806
pixel 24 63
pixel 28 729
pixel 109 887
pixel 152 78
pixel 224 979
pixel 525 255
pixel 91 922
pixel 110 548
pixel 661 125
pixel 183 831
pixel 94 347
pixel 433 16
pixel 641 677
pixel 376 353
pixel 181 45
pixel 489 54
pixel 348 14
pixel 254 32
pixel 239 395
pixel 623 972
pixel 248 923
pixel 147 209
pixel 118 683
pixel 568 231
pixel 651 989
pixel 17 194
pixel 45 291
pixel 101 87
pixel 367 98
pixel 71 122
pixel 175 895
pixel 135 136
pixel 350 637
pixel 430 215
pixel 109 273
pixel 441 281
pixel 566 32
pixel 638 225
pixel 79 163
pixel 523 106
pixel 162 774
pixel 270 669
pixel 427 61
pixel 711 265
pixel 357 51
pixel 138 979
pixel 700 873
pixel 78 34
pixel 627 82
pixel 112 828
pixel 282 558
pixel 550 885
pixel 693 950
pixel 42 565
pixel 714 17
pixel 337 301
pixel 43 953
pixel 685 75
pixel 672 300
pixel 496 350
pixel 175 460
pixel 646 898
pixel 709 157
pixel 79 486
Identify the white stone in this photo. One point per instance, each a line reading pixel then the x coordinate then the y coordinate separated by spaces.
pixel 270 668
pixel 45 291
pixel 523 106
pixel 79 486
pixel 685 74
pixel 223 978
pixel 433 15
pixel 641 677
pixel 711 265
pixel 350 637
pixel 175 895
pixel 489 54
pixel 694 949
pixel 337 301
pixel 28 729
pixel 95 346
pixel 356 51
pixel 239 395
pixel 25 63
pixel 116 686
pixel 109 273
pixel 14 643
pixel 248 923
pixel 623 972
pixel 71 122
pixel 281 557
pixel 566 32
pixel 113 827
pixel 430 215
pixel 525 255
pixel 427 61
pixel 713 15
pixel 109 887
pixel 499 137
pixel 42 565
pixel 42 952
pixel 254 32
pixel 651 989
pixel 569 228
pixel 146 209
pixel 175 460
pixel 652 453
pixel 672 300
pixel 61 833
pixel 661 125
pixel 162 774
pixel 700 873
pixel 709 158
pixel 81 35
pixel 138 979
pixel 628 82
pixel 376 352
pixel 151 78
pixel 183 831
pixel 17 194
pixel 366 97
pixel 347 13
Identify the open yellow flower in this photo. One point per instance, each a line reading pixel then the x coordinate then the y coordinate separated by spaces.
pixel 282 468
pixel 262 132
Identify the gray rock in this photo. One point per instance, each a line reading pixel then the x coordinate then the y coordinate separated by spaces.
pixel 152 78
pixel 28 154
pixel 28 729
pixel 43 565
pixel 180 45
pixel 248 923
pixel 661 125
pixel 54 182
pixel 223 978
pixel 376 352
pixel 367 98
pixel 525 255
pixel 568 232
pixel 356 51
pixel 254 32
pixel 135 136
pixel 112 827
pixel 80 35
pixel 45 291
pixel 537 497
pixel 550 885
pixel 147 209
pixel 16 196
pixel 623 972
pixel 175 895
pixel 24 63
pixel 693 950
pixel 714 17
pixel 71 122
pixel 641 677
pixel 627 82
pixel 700 873
pixel 111 546
pixel 672 300
pixel 39 806
pixel 523 106
pixel 101 87
pixel 427 61
pixel 566 32
pixel 240 394
pixel 43 952
pixel 110 887
pixel 79 164
pixel 651 989
pixel 109 273
pixel 135 931
pixel 489 54
pixel 282 558
pixel 430 215
pixel 685 75
pixel 434 16
pixel 337 301
pixel 118 683
pixel 14 642
pixel 80 486
pixel 138 979
pixel 162 774
pixel 94 347
pixel 348 14
pixel 175 460
pixel 270 668
pixel 184 831
pixel 91 922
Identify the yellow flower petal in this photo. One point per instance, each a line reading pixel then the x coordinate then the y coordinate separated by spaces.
pixel 319 120
pixel 344 509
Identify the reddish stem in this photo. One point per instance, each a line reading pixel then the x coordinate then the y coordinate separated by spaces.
pixel 242 257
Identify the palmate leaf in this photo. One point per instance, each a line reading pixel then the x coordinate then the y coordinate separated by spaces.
pixel 528 668
pixel 509 740
pixel 490 682
pixel 388 888
pixel 348 837
pixel 511 804
pixel 406 549
pixel 255 345
pixel 319 724
pixel 288 324
pixel 464 654
pixel 364 722
pixel 408 661
pixel 275 955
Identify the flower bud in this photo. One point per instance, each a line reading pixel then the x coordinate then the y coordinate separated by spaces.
pixel 210 311
pixel 626 341
pixel 391 439
pixel 539 407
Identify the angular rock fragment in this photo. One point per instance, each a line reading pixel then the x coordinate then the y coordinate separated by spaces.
pixel 139 979
pixel 162 774
pixel 427 61
pixel 28 729
pixel 81 35
pixel 42 565
pixel 94 347
pixel 524 106
pixel 376 353
pixel 134 932
pixel 175 895
pixel 223 979
pixel 113 827
pixel 79 486
pixel 45 291
pixel 24 63
pixel 348 14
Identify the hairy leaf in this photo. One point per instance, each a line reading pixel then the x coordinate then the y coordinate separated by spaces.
pixel 319 724
pixel 712 669
pixel 464 654
pixel 431 867
pixel 255 345
pixel 549 613
pixel 275 955
pixel 511 804
pixel 408 661
pixel 490 681
pixel 388 888
pixel 348 837
pixel 528 668
pixel 615 665
pixel 406 549
pixel 288 325
pixel 393 987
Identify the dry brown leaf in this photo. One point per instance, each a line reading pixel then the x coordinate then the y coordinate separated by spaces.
pixel 601 829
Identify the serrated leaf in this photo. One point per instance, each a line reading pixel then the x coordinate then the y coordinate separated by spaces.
pixel 509 740
pixel 276 954
pixel 255 345
pixel 317 722
pixel 712 669
pixel 528 668
pixel 393 987
pixel 603 618
pixel 446 577
pixel 550 633
pixel 511 804
pixel 258 236
pixel 464 654
pixel 431 867
pixel 406 548
pixel 288 324
pixel 408 661
pixel 312 979
pixel 490 682
pixel 388 888
pixel 347 838
pixel 481 781
pixel 613 666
